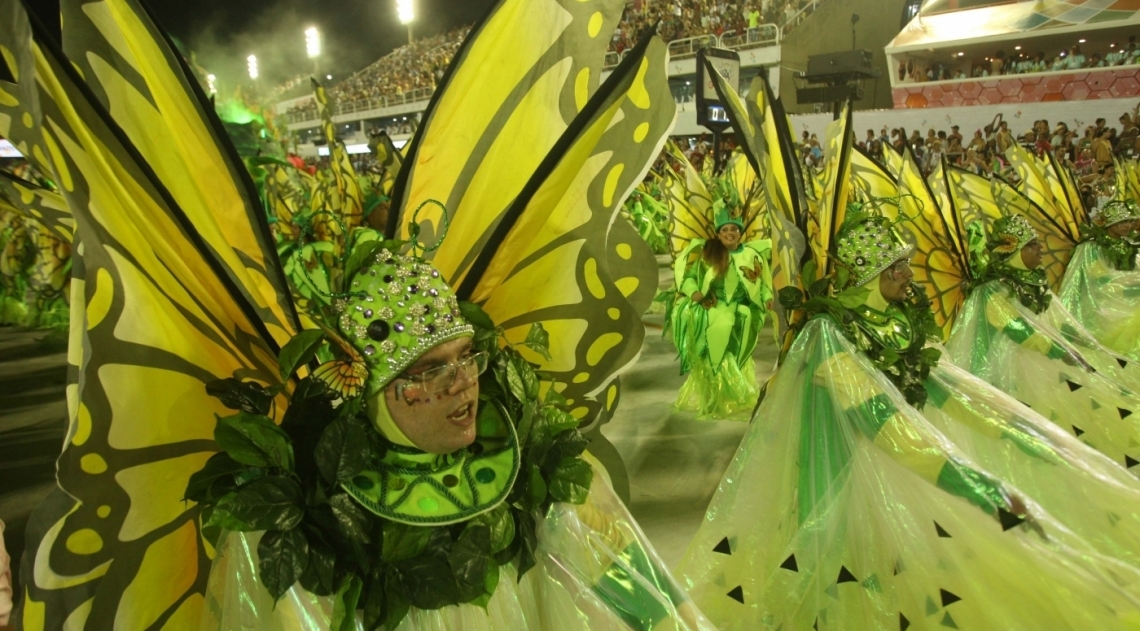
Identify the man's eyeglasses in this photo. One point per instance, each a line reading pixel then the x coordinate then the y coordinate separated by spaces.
pixel 443 377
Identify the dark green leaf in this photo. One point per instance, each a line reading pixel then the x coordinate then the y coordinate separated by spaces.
pixel 351 519
pixel 402 541
pixel 468 559
pixel 429 582
pixel 474 314
pixel 490 584
pixel 842 276
pixel 319 576
pixel 528 541
pixel 344 607
pixel 247 396
pixel 553 397
pixel 819 287
pixel 808 273
pixel 529 379
pixel 272 503
pixel 219 470
pixel 299 350
pixel 571 481
pixel 501 525
pixel 791 297
pixel 537 487
pixel 397 605
pixel 282 557
pixel 341 452
pixel 515 382
pixel 255 441
pixel 538 340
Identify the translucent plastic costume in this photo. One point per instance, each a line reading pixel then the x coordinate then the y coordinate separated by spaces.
pixel 186 328
pixel 1104 299
pixel 879 488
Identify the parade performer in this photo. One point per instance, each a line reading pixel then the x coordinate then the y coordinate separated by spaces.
pixel 875 489
pixel 989 256
pixel 184 316
pixel 1102 285
pixel 723 288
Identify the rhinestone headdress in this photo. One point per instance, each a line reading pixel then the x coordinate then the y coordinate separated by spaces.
pixel 1113 213
pixel 868 244
pixel 1009 234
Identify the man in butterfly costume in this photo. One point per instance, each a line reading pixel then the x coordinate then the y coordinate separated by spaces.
pixel 185 340
pixel 722 288
pixel 1011 333
pixel 879 488
pixel 1102 284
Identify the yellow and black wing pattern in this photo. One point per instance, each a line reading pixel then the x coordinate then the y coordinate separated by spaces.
pixel 137 75
pixel 869 179
pixel 836 190
pixel 893 159
pixel 688 199
pixel 561 256
pixel 940 265
pixel 1054 233
pixel 40 204
pixel 390 160
pixel 156 314
pixel 972 196
pixel 514 86
pixel 346 198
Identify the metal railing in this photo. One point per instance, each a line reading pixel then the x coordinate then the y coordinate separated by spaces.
pixel 363 105
pixel 762 36
pixel 802 14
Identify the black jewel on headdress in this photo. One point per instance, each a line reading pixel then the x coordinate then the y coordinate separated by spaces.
pixel 378 330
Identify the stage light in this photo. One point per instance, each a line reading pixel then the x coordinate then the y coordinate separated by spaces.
pixel 1017 48
pixel 1080 41
pixel 251 63
pixel 329 77
pixel 406 11
pixel 313 42
pixel 212 83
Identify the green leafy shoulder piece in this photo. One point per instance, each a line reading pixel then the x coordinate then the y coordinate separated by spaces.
pixel 895 340
pixel 290 480
pixel 1121 253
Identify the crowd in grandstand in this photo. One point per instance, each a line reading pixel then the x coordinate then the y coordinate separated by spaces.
pixel 422 63
pixel 418 65
pixel 1089 152
pixel 1020 62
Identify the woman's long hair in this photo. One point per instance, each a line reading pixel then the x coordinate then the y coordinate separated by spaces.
pixel 716 255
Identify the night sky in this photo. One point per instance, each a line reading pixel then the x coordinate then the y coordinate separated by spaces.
pixel 222 33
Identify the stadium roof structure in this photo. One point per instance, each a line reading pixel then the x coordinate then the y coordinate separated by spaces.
pixel 942 23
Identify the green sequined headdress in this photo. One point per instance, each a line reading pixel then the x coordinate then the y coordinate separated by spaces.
pixel 397 309
pixel 1009 234
pixel 868 243
pixel 1114 212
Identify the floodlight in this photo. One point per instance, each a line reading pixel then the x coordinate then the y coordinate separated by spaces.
pixel 313 41
pixel 406 11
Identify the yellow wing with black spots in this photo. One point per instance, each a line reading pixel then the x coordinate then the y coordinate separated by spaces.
pixel 1053 232
pixel 155 316
pixel 940 266
pixel 870 179
pixel 562 256
pixel 40 204
pixel 893 160
pixel 688 199
pixel 836 189
pixel 523 74
pixel 143 83
pixel 973 197
pixel 346 198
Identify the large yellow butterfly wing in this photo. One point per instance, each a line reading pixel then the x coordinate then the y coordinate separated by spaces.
pixel 142 81
pixel 155 316
pixel 688 199
pixel 514 86
pixel 938 263
pixel 562 256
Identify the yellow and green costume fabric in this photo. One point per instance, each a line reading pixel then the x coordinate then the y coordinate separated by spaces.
pixel 1104 298
pixel 177 284
pixel 1048 361
pixel 847 508
pixel 715 337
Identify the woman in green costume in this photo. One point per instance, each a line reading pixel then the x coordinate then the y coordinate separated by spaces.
pixel 1102 285
pixel 723 293
pixel 882 489
pixel 1012 334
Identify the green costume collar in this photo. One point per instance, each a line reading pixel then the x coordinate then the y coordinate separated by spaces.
pixel 1120 252
pixel 895 339
pixel 412 487
pixel 1031 286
